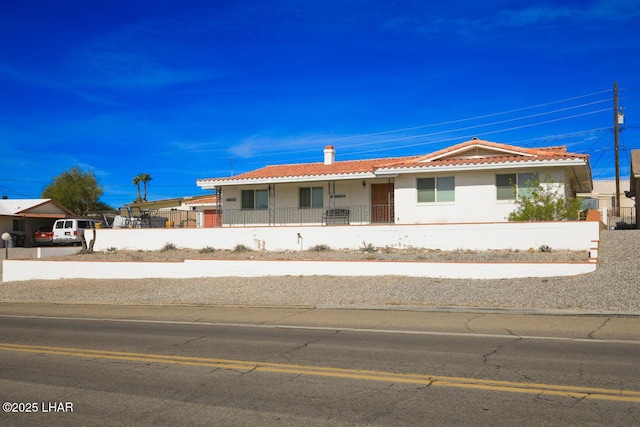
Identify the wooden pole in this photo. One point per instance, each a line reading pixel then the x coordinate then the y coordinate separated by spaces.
pixel 615 136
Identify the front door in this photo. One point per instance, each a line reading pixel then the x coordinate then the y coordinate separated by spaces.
pixel 382 203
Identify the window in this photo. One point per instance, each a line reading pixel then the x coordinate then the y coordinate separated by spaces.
pixel 255 199
pixel 311 197
pixel 510 184
pixel 18 224
pixel 440 189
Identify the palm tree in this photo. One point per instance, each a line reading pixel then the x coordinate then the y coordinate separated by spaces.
pixel 136 182
pixel 145 177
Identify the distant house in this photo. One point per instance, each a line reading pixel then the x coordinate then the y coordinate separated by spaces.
pixel 188 212
pixel 604 191
pixel 475 181
pixel 634 188
pixel 22 217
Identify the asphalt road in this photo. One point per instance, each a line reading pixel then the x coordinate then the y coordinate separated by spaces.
pixel 105 365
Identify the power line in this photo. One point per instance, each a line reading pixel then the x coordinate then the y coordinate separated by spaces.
pixel 484 133
pixel 484 125
pixel 484 116
pixel 450 131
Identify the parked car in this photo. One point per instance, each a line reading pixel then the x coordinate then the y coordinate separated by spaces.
pixel 71 231
pixel 44 235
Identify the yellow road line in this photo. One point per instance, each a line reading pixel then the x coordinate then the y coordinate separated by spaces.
pixel 431 380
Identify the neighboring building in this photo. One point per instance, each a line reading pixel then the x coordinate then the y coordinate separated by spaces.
pixel 188 212
pixel 604 191
pixel 634 186
pixel 22 217
pixel 468 182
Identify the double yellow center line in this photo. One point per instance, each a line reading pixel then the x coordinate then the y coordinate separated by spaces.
pixel 429 380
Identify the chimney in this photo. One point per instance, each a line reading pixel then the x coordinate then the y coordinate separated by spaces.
pixel 329 155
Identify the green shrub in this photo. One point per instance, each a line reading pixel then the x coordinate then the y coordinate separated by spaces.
pixel 207 250
pixel 320 248
pixel 368 247
pixel 168 247
pixel 241 248
pixel 544 203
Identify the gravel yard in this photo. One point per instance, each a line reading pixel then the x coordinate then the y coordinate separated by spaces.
pixel 613 287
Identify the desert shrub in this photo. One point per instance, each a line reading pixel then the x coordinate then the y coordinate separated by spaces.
pixel 320 248
pixel 168 247
pixel 207 250
pixel 544 202
pixel 241 248
pixel 545 248
pixel 367 247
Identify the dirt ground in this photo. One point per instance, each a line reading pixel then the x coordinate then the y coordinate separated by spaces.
pixel 175 254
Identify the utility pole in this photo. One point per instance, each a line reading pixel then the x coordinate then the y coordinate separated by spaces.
pixel 615 138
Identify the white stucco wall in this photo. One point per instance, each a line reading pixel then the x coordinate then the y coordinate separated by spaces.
pixel 21 270
pixel 568 235
pixel 475 198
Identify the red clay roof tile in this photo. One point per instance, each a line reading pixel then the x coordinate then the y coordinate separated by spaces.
pixel 446 157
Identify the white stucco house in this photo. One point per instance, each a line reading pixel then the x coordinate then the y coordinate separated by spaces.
pixel 473 181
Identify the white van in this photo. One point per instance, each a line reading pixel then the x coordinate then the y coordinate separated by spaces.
pixel 71 231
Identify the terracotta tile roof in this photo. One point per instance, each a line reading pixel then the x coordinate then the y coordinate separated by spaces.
pixel 463 154
pixel 209 200
pixel 319 169
pixel 460 154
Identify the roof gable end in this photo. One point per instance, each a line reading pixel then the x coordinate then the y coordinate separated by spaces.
pixel 478 149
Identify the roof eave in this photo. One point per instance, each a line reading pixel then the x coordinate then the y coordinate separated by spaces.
pixel 212 184
pixel 480 166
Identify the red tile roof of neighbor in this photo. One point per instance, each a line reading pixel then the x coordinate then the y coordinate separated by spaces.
pixel 459 154
pixel 208 200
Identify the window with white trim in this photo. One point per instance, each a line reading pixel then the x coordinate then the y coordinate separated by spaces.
pixel 311 197
pixel 255 199
pixel 436 190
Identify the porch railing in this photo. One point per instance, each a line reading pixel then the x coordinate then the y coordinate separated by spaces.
pixel 358 214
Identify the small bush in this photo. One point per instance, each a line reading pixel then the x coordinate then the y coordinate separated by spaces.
pixel 207 250
pixel 545 248
pixel 241 248
pixel 320 248
pixel 112 249
pixel 367 247
pixel 168 247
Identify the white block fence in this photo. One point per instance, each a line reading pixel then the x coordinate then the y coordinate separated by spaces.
pixel 495 236
pixel 562 235
pixel 21 270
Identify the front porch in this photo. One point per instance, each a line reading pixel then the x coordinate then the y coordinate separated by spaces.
pixel 353 215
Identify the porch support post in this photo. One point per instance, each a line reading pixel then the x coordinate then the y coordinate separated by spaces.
pixel 219 206
pixel 272 204
pixel 391 213
pixel 332 194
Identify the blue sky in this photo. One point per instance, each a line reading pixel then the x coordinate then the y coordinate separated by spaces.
pixel 202 89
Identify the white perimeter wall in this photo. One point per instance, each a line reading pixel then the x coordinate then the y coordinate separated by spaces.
pixel 21 270
pixel 562 235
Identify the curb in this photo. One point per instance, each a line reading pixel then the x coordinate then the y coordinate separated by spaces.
pixel 484 310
